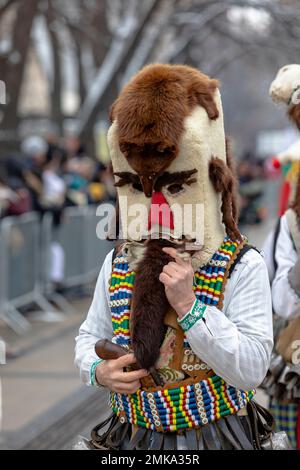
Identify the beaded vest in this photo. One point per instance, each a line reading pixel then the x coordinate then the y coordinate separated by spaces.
pixel 185 401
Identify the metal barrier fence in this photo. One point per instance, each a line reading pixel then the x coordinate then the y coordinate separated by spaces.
pixel 25 251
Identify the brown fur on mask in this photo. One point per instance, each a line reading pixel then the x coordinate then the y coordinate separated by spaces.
pixel 149 305
pixel 223 179
pixel 151 110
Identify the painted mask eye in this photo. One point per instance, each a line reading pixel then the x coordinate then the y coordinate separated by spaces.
pixel 175 188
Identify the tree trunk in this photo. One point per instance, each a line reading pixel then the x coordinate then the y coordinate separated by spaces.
pixel 56 89
pixel 13 66
pixel 115 61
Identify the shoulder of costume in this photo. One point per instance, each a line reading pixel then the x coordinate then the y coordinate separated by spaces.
pixel 248 254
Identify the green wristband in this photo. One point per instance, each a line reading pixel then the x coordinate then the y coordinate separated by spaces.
pixel 196 313
pixel 93 372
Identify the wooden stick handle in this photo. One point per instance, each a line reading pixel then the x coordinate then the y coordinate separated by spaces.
pixel 106 350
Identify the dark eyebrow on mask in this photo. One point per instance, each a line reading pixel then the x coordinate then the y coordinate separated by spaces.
pixel 126 178
pixel 178 177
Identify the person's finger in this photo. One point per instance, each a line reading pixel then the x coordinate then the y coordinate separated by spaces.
pixel 166 280
pixel 175 266
pixel 125 360
pixel 121 387
pixel 131 376
pixel 174 253
pixel 170 271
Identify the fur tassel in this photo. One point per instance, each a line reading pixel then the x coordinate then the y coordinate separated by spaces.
pixel 223 182
pixel 149 305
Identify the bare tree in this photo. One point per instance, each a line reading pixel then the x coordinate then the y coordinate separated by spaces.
pixel 111 39
pixel 13 63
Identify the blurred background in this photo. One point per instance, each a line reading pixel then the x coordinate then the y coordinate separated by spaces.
pixel 62 65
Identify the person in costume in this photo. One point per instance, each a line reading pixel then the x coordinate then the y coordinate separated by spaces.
pixel 184 295
pixel 283 380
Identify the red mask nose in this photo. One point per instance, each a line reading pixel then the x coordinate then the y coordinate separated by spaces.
pixel 160 212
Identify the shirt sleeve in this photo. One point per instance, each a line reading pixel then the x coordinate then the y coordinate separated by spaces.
pixel 286 302
pixel 98 324
pixel 237 342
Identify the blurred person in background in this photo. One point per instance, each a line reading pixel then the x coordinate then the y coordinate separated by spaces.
pixel 102 188
pixel 43 175
pixel 7 197
pixel 20 200
pixel 282 249
pixel 21 203
pixel 74 147
pixel 78 174
pixel 34 150
pixel 251 189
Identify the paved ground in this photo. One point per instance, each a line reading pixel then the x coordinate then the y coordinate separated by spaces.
pixel 41 384
pixel 44 405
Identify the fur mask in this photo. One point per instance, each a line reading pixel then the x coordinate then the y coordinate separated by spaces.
pixel 169 157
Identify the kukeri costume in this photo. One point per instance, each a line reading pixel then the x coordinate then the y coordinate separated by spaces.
pixel 283 379
pixel 168 151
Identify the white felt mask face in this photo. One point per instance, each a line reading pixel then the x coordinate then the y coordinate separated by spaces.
pixel 194 203
pixel 287 80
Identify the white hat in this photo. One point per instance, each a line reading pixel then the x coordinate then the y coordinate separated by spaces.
pixel 285 84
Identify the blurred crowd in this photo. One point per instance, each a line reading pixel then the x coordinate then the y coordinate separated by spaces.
pixel 49 176
pixel 252 173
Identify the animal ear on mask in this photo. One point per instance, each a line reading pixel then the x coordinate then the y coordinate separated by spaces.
pixel 207 101
pixel 223 181
pixel 202 93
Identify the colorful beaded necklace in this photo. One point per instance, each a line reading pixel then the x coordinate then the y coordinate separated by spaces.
pixel 188 406
pixel 208 283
